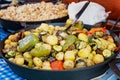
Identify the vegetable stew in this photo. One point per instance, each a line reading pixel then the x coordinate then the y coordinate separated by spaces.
pixel 51 48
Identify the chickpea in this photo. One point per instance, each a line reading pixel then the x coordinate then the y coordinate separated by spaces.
pixel 37 61
pixel 19 61
pixel 110 39
pixel 90 62
pixel 82 45
pixel 68 64
pixel 37 34
pixel 80 63
pixel 93 52
pixel 12 60
pixel 27 33
pixel 7 46
pixel 60 56
pixel 90 56
pixel 69 55
pixel 98 58
pixel 83 53
pixel 11 37
pixel 46 65
pixel 62 42
pixel 104 43
pixel 106 53
pixel 27 55
pixel 11 53
pixel 112 46
pixel 13 43
pixel 63 34
pixel 52 40
pixel 8 41
pixel 83 37
pixel 18 56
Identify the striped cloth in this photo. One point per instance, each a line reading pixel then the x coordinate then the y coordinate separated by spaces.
pixel 6 73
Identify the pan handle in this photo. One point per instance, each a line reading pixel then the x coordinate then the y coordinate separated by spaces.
pixel 114 67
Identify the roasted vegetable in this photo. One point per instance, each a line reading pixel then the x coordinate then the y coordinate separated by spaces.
pixel 106 53
pixel 28 59
pixel 10 54
pixel 41 49
pixel 52 48
pixel 37 61
pixel 57 48
pixel 80 63
pixel 28 42
pixel 99 34
pixel 68 23
pixel 70 39
pixel 19 59
pixel 83 37
pixel 90 62
pixel 69 55
pixel 52 40
pixel 57 65
pixel 77 26
pixel 93 30
pixel 60 56
pixel 46 65
pixel 98 58
pixel 68 64
pixel 85 52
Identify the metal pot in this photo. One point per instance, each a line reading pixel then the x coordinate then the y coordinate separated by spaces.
pixel 17 25
pixel 74 74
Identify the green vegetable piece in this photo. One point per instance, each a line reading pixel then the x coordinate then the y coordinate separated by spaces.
pixel 69 41
pixel 93 45
pixel 77 26
pixel 28 42
pixel 68 22
pixel 57 48
pixel 41 50
pixel 10 54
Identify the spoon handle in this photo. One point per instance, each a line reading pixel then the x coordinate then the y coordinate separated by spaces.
pixel 79 14
pixel 82 10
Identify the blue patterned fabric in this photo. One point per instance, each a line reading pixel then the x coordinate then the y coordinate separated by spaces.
pixel 6 73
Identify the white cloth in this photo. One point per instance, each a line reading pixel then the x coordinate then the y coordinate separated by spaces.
pixel 94 13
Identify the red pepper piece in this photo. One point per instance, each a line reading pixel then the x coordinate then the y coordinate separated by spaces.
pixel 57 65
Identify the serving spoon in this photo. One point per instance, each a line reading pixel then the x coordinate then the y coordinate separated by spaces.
pixel 77 16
